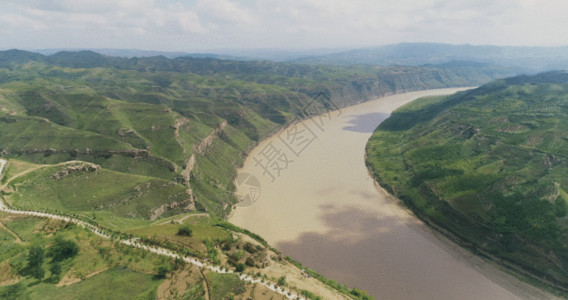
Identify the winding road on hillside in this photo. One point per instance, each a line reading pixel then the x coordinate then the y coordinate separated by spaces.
pixel 134 242
pixel 319 205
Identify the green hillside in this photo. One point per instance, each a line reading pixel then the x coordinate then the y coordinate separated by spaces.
pixel 109 270
pixel 488 167
pixel 146 146
pixel 188 121
pixel 49 259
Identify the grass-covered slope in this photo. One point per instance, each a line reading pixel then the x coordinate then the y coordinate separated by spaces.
pixel 52 259
pixel 188 121
pixel 85 188
pixel 489 166
pixel 95 269
pixel 127 143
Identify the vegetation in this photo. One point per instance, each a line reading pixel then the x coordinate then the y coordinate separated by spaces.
pixel 95 190
pixel 282 281
pixel 87 266
pixel 37 254
pixel 225 285
pixel 240 267
pixel 185 231
pixel 166 126
pixel 489 167
pixel 62 249
pixel 115 283
pixel 128 144
pixel 35 262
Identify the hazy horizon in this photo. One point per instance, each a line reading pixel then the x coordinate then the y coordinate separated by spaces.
pixel 205 26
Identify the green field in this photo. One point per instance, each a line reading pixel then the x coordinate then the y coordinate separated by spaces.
pixel 121 272
pixel 92 191
pixel 115 283
pixel 488 165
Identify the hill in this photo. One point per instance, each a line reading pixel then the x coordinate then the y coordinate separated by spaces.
pixel 488 167
pixel 138 145
pixel 188 121
pixel 53 259
pixel 521 59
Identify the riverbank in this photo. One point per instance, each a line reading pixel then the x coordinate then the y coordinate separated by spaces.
pixel 324 210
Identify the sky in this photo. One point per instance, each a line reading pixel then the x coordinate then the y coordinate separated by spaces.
pixel 201 25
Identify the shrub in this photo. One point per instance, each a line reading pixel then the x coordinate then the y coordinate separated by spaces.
pixel 163 270
pixel 282 281
pixel 240 268
pixel 185 231
pixel 249 262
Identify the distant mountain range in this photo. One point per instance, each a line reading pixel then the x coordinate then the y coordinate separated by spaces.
pixel 522 59
pixel 527 59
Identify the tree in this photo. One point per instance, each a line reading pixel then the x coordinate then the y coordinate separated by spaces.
pixel 560 207
pixel 55 269
pixel 63 249
pixel 35 262
pixel 163 270
pixel 37 272
pixel 35 257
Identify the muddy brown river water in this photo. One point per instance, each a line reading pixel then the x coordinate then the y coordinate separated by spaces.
pixel 308 192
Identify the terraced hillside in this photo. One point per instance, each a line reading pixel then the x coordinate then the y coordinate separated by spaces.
pixel 162 126
pixel 44 258
pixel 146 149
pixel 488 167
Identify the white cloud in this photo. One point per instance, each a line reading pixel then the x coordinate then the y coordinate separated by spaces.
pixel 189 21
pixel 184 25
pixel 21 22
pixel 225 11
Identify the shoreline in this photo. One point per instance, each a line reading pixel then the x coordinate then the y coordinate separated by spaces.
pixel 491 269
pixel 316 210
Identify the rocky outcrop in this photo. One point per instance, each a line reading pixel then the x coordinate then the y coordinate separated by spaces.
pixel 134 153
pixel 209 139
pixel 75 168
pixel 186 205
pixel 190 163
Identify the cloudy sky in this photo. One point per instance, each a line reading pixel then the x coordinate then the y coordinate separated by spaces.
pixel 178 25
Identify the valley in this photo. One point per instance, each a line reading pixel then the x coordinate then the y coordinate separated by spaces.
pixel 487 169
pixel 274 150
pixel 143 153
pixel 326 211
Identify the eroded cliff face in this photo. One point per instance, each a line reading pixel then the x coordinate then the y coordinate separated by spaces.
pixel 133 153
pixel 188 121
pixel 397 80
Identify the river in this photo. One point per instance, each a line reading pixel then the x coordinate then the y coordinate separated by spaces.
pixel 307 191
